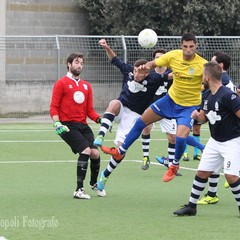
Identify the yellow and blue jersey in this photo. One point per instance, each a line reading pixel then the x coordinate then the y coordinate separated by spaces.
pixel 187 77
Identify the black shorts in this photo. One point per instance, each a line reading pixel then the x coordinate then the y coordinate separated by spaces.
pixel 79 137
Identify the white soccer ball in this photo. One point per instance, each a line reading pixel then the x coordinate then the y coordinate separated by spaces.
pixel 147 38
pixel 2 238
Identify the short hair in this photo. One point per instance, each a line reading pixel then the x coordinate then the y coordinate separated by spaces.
pixel 161 50
pixel 140 62
pixel 224 58
pixel 73 56
pixel 188 36
pixel 213 69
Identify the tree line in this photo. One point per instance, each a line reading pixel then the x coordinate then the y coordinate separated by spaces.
pixel 167 18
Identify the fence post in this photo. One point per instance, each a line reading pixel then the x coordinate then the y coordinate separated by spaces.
pixel 124 49
pixel 58 56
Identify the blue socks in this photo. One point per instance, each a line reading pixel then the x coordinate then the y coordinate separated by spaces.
pixel 179 148
pixel 193 142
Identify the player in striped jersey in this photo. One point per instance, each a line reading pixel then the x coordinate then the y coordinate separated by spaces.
pixel 224 60
pixel 221 108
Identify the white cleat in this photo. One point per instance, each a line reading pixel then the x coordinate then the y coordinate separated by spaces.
pixel 99 193
pixel 80 194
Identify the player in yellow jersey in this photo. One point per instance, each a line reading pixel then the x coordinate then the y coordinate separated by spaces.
pixel 182 99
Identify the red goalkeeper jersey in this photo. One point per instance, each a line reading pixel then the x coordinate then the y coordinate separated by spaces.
pixel 72 100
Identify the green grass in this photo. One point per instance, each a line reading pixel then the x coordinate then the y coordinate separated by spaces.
pixel 38 178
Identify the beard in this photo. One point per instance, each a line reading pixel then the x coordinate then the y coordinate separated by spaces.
pixel 75 72
pixel 206 85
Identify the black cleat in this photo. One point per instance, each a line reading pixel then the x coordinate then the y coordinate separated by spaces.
pixel 178 174
pixel 186 210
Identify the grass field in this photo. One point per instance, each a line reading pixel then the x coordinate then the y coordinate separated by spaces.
pixel 38 178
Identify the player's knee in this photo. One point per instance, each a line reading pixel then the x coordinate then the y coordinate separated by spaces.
pixel 94 153
pixel 147 130
pixel 203 174
pixel 171 138
pixel 114 107
pixel 86 151
pixel 231 178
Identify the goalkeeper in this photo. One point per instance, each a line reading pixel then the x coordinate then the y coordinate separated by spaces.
pixel 71 104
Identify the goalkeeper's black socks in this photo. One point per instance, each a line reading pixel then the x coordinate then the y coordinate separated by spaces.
pixel 94 166
pixel 82 166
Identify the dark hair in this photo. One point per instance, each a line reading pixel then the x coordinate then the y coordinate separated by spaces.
pixel 163 51
pixel 188 36
pixel 140 62
pixel 213 69
pixel 224 58
pixel 73 56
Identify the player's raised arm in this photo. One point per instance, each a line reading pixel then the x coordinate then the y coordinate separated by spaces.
pixel 145 68
pixel 110 53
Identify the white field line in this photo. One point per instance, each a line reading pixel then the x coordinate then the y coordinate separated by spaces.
pixel 60 140
pixel 74 161
pixel 94 128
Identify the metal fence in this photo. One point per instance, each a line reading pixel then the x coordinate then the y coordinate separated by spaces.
pixel 29 66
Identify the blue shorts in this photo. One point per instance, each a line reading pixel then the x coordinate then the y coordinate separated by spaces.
pixel 167 108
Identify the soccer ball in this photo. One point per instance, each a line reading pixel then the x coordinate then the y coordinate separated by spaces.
pixel 147 38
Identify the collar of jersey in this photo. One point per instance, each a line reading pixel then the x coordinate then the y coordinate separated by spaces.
pixel 71 76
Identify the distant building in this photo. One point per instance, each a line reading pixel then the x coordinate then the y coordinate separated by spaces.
pixel 45 17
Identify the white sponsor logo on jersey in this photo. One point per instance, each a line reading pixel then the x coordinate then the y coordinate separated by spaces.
pixel 135 87
pixel 78 97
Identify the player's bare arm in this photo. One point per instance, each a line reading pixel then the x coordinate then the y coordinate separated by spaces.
pixel 199 116
pixel 238 113
pixel 144 69
pixel 55 118
pixel 170 76
pixel 110 53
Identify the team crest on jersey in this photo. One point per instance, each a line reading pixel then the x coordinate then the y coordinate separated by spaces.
pixel 191 71
pixel 85 86
pixel 78 97
pixel 136 87
pixel 130 76
pixel 144 82
pixel 233 97
pixel 70 86
pixel 205 105
pixel 216 106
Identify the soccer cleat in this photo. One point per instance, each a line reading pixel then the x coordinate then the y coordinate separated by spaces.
pixel 171 173
pixel 197 157
pixel 112 151
pixel 102 181
pixel 178 174
pixel 226 184
pixel 163 160
pixel 208 200
pixel 80 194
pixel 186 210
pixel 98 141
pixel 146 162
pixel 185 157
pixel 99 193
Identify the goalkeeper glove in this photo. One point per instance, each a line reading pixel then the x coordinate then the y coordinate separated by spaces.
pixel 99 120
pixel 60 129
